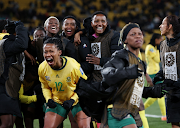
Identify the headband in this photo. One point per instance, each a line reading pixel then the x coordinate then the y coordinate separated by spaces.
pixel 127 29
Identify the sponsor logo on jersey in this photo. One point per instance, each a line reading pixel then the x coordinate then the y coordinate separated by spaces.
pixel 81 70
pixel 47 78
pixel 57 76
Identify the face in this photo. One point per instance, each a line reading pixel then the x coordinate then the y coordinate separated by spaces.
pixel 52 55
pixel 158 41
pixel 164 27
pixel 99 23
pixel 69 27
pixel 52 26
pixel 134 39
pixel 38 34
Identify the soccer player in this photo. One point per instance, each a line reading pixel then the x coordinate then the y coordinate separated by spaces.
pixel 58 76
pixel 153 66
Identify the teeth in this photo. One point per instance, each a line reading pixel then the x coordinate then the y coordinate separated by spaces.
pixel 48 59
pixel 99 28
pixel 68 30
pixel 53 28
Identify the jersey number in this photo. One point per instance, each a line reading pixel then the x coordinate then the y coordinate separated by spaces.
pixel 59 86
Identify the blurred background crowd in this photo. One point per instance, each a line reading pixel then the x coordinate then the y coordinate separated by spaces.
pixel 147 13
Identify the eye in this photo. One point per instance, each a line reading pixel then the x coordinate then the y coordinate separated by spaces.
pixel 96 21
pixel 73 24
pixel 132 34
pixel 103 21
pixel 140 34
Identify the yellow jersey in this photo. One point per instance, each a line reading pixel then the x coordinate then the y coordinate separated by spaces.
pixel 25 98
pixel 60 84
pixel 152 59
pixel 2 35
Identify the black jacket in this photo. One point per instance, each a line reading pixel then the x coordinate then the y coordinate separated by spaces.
pixel 69 48
pixel 13 46
pixel 113 45
pixel 82 50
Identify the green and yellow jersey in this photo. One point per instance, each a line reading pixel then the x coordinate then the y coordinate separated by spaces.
pixel 25 86
pixel 152 59
pixel 60 84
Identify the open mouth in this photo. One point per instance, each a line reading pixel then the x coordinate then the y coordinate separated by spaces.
pixel 69 31
pixel 53 28
pixel 99 28
pixel 49 61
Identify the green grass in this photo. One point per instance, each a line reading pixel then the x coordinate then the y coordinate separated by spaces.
pixel 153 122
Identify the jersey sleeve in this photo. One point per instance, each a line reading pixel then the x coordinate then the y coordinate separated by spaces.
pixel 151 52
pixel 78 73
pixel 24 98
pixel 44 85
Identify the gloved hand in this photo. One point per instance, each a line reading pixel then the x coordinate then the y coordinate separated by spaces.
pixel 157 91
pixel 51 103
pixel 169 82
pixel 68 104
pixel 133 72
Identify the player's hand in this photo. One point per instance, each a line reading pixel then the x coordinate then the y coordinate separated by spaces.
pixel 68 104
pixel 51 103
pixel 93 59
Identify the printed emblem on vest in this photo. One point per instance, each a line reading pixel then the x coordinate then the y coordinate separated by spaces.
pixel 170 66
pixel 95 49
pixel 170 59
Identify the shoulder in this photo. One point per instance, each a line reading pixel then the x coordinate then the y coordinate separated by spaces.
pixel 121 54
pixel 115 33
pixel 72 62
pixel 42 66
pixel 149 47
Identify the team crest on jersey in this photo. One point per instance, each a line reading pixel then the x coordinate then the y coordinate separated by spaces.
pixel 152 50
pixel 47 78
pixel 68 79
pixel 57 76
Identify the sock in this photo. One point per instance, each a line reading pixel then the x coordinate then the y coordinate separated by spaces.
pixel 162 106
pixel 144 119
pixel 149 102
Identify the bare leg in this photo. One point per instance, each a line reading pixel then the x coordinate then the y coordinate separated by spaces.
pixel 175 125
pixel 29 117
pixel 72 120
pixel 130 126
pixel 83 120
pixel 7 121
pixel 52 120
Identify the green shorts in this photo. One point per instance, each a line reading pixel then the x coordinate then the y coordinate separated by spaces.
pixel 62 111
pixel 115 123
